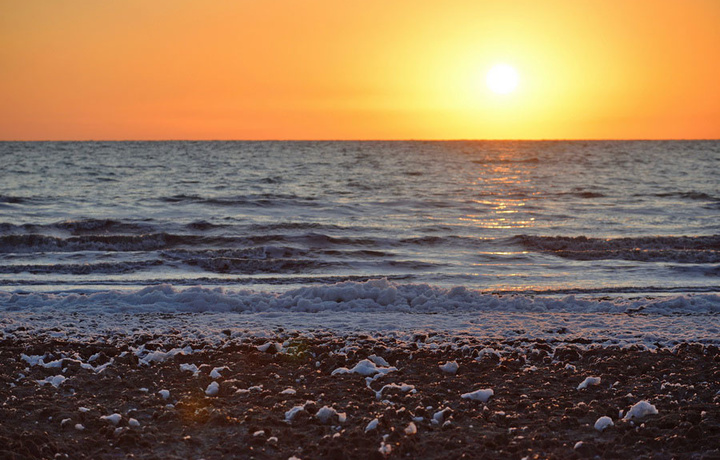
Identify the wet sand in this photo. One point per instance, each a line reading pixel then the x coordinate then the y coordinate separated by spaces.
pixel 536 410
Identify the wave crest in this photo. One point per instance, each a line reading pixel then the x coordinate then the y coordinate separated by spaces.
pixel 376 295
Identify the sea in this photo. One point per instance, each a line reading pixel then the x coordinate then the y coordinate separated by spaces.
pixel 520 219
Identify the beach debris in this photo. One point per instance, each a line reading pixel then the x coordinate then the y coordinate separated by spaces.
pixel 640 410
pixel 589 381
pixel 603 422
pixel 479 395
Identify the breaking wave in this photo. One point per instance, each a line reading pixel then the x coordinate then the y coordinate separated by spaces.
pixel 677 249
pixel 377 295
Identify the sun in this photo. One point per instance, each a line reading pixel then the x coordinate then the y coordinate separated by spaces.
pixel 502 79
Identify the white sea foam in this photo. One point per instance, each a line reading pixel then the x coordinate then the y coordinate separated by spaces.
pixel 379 295
pixel 352 308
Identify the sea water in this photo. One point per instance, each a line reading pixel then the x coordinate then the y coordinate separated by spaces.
pixel 347 221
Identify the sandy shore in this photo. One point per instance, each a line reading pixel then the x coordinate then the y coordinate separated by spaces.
pixel 290 397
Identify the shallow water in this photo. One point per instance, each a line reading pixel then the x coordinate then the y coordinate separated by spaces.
pixel 599 218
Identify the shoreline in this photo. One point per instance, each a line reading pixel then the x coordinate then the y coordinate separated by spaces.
pixel 536 409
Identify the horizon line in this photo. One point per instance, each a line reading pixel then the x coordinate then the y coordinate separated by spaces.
pixel 372 140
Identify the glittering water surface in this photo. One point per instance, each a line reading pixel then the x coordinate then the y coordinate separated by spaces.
pixel 546 217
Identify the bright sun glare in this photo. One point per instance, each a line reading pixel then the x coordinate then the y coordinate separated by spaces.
pixel 502 79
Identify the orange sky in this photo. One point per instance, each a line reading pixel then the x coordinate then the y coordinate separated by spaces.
pixel 335 69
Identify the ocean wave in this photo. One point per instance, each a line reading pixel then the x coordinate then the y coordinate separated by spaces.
pixel 292 226
pixel 259 200
pixel 14 242
pixel 203 225
pixel 25 200
pixel 44 243
pixel 583 194
pixel 80 269
pixel 531 160
pixel 377 295
pixel 691 195
pixel 78 227
pixel 677 249
pixel 9 199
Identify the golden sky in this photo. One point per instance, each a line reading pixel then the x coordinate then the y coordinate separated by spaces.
pixel 335 69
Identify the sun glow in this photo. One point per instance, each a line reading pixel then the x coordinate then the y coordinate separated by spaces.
pixel 214 69
pixel 502 79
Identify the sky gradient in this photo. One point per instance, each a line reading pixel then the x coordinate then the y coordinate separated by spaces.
pixel 312 69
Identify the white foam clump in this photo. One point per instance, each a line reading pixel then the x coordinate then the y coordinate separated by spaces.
pixel 292 413
pixel 451 367
pixel 379 360
pixel 158 356
pixel 439 416
pixel 265 347
pixel 487 352
pixel 479 395
pixel 213 389
pixel 365 368
pixel 640 410
pixel 113 418
pixel 404 387
pixel 589 381
pixel 325 414
pixel 368 296
pixel 190 368
pixel 39 360
pixel 215 373
pixel 603 422
pixel 55 380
